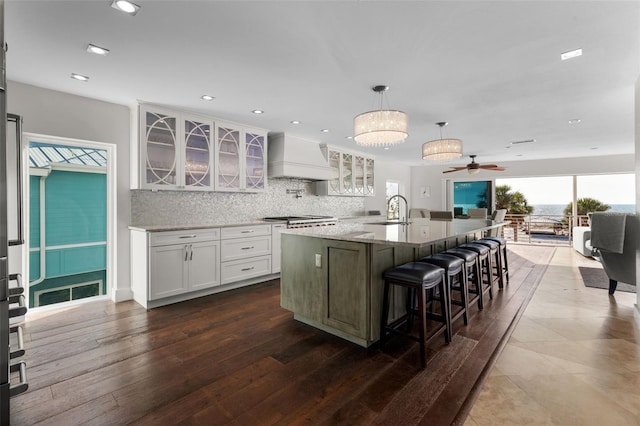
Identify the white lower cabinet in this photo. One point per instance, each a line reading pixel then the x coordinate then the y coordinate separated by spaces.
pixel 172 266
pixel 191 264
pixel 238 270
pixel 246 252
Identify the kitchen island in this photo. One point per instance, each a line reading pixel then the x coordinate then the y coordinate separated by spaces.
pixel 332 277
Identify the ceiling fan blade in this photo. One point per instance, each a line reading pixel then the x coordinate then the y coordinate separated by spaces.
pixel 488 166
pixel 455 169
pixel 496 168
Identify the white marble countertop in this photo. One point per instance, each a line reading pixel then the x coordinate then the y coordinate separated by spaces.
pixel 220 224
pixel 418 233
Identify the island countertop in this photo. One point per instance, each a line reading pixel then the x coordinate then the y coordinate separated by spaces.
pixel 419 232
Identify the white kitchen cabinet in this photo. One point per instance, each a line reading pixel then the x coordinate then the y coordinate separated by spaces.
pixel 170 266
pixel 240 158
pixel 276 246
pixel 176 150
pixel 176 265
pixel 182 262
pixel 242 269
pixel 352 173
pixel 246 252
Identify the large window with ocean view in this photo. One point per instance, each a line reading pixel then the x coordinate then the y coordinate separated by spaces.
pixel 541 209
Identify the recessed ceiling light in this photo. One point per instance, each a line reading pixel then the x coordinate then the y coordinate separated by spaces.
pixel 348 137
pixel 207 97
pixel 92 48
pixel 571 54
pixel 386 148
pixel 574 121
pixel 295 122
pixel 79 77
pixel 325 130
pixel 257 111
pixel 125 6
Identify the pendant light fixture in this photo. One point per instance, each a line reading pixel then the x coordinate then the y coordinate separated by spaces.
pixel 442 149
pixel 380 127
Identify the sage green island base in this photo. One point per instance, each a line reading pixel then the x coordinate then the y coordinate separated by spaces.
pixel 332 278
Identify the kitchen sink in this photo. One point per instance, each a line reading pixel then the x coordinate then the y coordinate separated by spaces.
pixel 389 222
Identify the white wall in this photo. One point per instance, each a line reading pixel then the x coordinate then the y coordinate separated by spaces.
pixel 432 177
pixel 55 113
pixel 386 170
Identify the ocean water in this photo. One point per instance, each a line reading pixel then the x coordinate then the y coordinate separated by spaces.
pixel 558 209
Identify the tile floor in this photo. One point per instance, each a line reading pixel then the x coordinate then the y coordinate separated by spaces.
pixel 573 359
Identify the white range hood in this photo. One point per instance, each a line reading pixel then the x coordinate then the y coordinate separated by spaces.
pixel 293 157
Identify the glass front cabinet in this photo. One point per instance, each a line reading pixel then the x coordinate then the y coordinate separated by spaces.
pixel 176 150
pixel 241 158
pixel 183 151
pixel 352 173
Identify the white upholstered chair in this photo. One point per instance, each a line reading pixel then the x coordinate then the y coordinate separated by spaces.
pixel 615 236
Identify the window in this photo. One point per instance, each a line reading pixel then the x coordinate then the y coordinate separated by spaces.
pixel 393 188
pixel 471 195
pixel 68 293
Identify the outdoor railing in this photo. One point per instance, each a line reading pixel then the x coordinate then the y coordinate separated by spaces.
pixel 541 229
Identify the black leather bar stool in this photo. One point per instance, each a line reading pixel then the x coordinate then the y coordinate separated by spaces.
pixel 495 255
pixel 419 278
pixel 486 265
pixel 473 272
pixel 503 251
pixel 454 273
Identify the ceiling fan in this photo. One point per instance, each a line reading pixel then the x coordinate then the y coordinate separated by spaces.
pixel 474 167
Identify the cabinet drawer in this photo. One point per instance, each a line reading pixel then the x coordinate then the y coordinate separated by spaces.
pixel 179 237
pixel 242 248
pixel 239 270
pixel 245 231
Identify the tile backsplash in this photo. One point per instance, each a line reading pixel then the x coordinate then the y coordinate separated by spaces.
pixel 151 208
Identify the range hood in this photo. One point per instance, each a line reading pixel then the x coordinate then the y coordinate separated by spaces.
pixel 293 157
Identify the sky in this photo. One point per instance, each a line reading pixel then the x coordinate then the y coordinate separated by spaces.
pixel 609 189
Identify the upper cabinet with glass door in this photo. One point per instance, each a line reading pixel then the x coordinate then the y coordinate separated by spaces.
pixel 255 143
pixel 241 158
pixel 176 151
pixel 353 173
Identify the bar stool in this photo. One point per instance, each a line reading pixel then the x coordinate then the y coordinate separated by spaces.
pixel 473 272
pixel 453 268
pixel 503 251
pixel 417 277
pixel 486 265
pixel 494 247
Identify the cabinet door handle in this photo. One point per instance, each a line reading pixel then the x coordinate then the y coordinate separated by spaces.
pixel 247 248
pixel 247 232
pixel 186 253
pixel 191 252
pixel 188 236
pixel 247 269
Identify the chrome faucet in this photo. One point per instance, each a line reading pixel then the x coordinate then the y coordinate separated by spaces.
pixel 406 206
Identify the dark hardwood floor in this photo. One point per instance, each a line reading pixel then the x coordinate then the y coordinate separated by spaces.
pixel 239 358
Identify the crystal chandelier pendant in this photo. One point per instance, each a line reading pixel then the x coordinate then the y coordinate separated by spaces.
pixel 380 127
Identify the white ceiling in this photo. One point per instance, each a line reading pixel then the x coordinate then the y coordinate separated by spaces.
pixel 491 69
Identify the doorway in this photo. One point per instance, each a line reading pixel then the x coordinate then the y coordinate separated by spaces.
pixel 70 215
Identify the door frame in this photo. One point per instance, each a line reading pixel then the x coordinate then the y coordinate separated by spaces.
pixel 112 216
